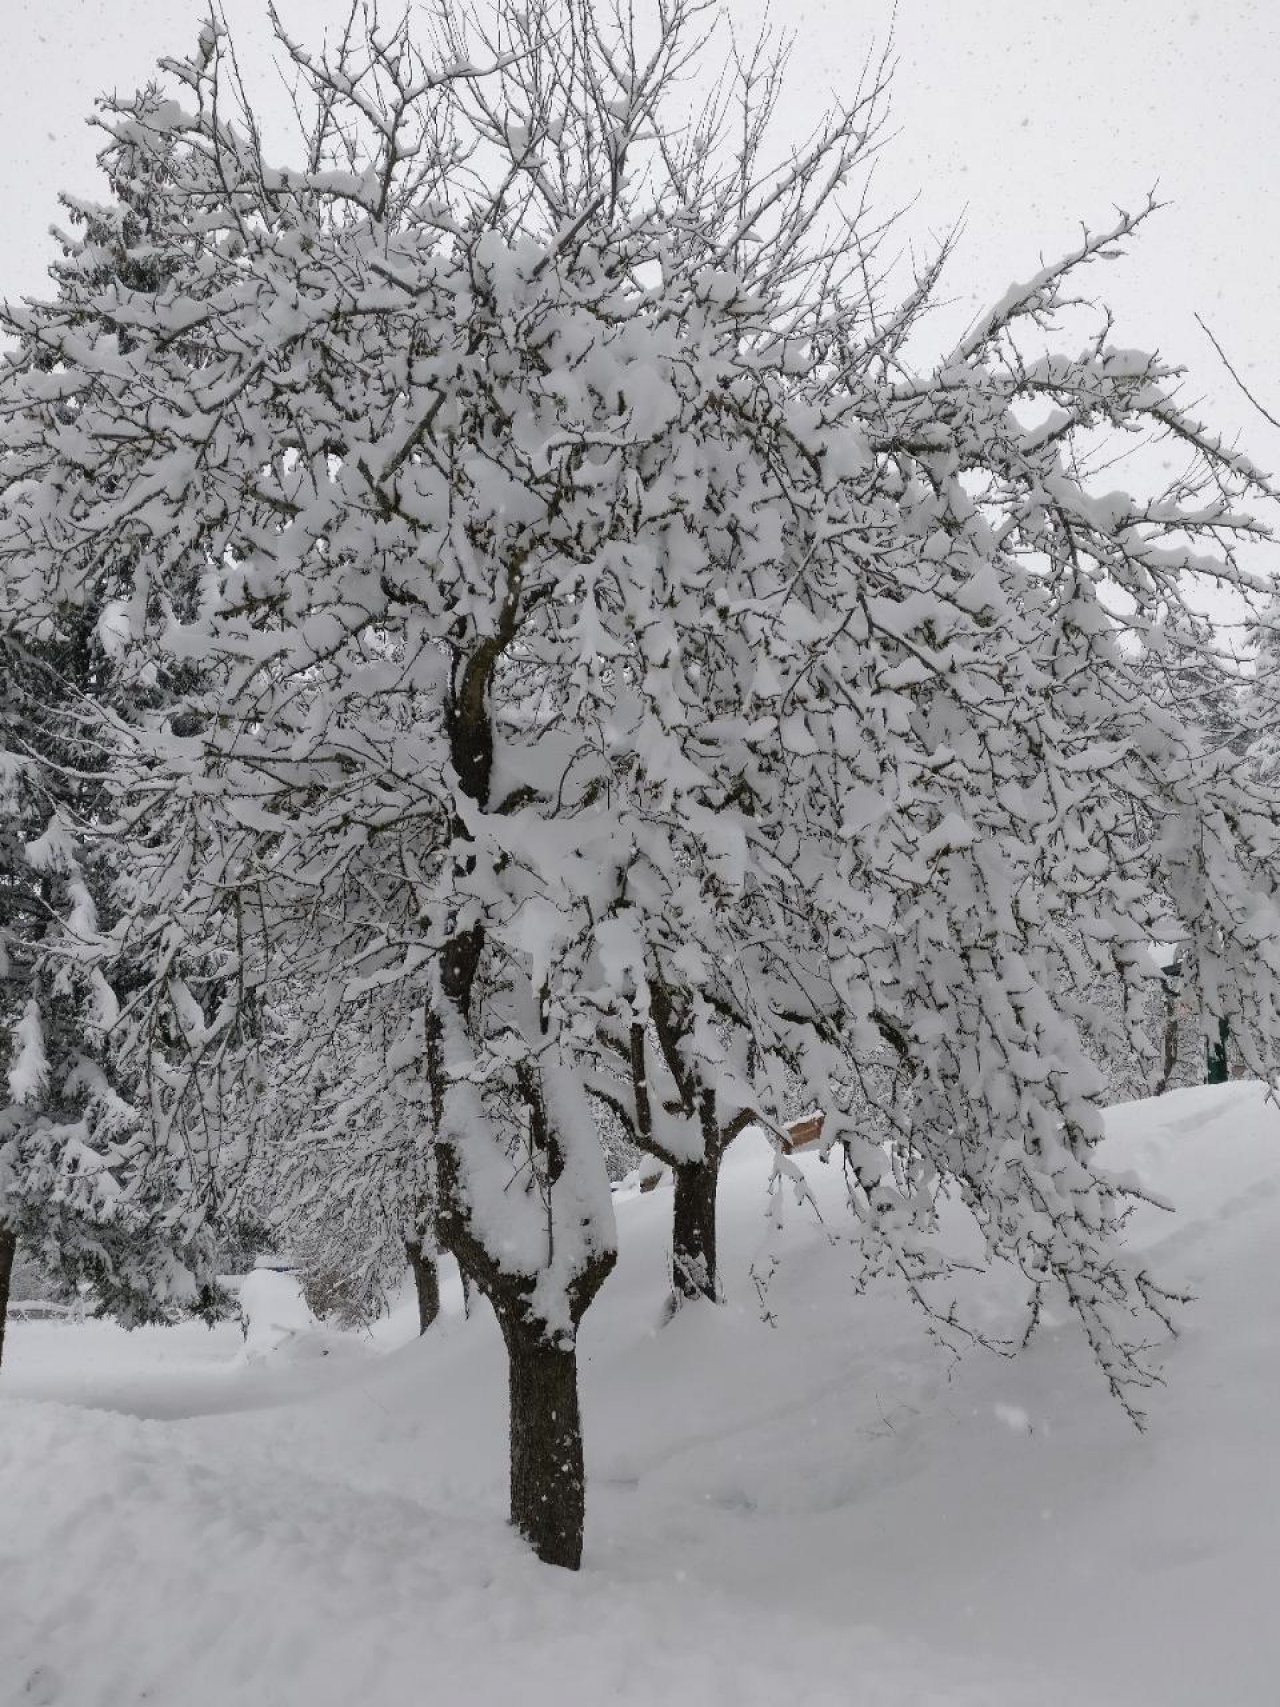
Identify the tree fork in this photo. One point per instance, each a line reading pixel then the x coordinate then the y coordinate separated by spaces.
pixel 694 1263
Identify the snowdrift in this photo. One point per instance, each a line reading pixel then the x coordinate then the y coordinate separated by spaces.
pixel 820 1507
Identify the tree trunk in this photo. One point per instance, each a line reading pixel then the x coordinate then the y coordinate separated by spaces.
pixel 8 1249
pixel 1169 980
pixel 548 1481
pixel 1170 1044
pixel 1217 1069
pixel 693 1237
pixel 426 1280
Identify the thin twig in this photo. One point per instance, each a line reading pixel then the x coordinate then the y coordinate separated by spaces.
pixel 1222 354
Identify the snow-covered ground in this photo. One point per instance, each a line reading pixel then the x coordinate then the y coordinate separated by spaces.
pixel 823 1511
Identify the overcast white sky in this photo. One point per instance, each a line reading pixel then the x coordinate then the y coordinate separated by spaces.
pixel 1023 117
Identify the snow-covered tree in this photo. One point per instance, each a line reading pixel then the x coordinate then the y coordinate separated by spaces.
pixel 625 673
pixel 1260 713
pixel 75 1184
pixel 338 1165
pixel 1190 668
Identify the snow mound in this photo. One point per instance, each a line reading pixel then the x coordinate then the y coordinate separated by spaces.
pixel 277 1323
pixel 273 1312
pixel 820 1508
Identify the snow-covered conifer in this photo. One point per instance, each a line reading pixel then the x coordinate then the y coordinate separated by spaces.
pixel 76 1183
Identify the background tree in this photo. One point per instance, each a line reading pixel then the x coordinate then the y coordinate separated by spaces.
pixel 1191 668
pixel 338 1161
pixel 75 1184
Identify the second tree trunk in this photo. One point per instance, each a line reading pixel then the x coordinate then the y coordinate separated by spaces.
pixel 426 1280
pixel 693 1233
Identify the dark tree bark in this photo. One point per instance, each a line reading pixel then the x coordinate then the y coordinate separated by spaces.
pixel 548 1479
pixel 426 1280
pixel 693 1233
pixel 8 1249
pixel 693 1230
pixel 1169 981
pixel 1217 1067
